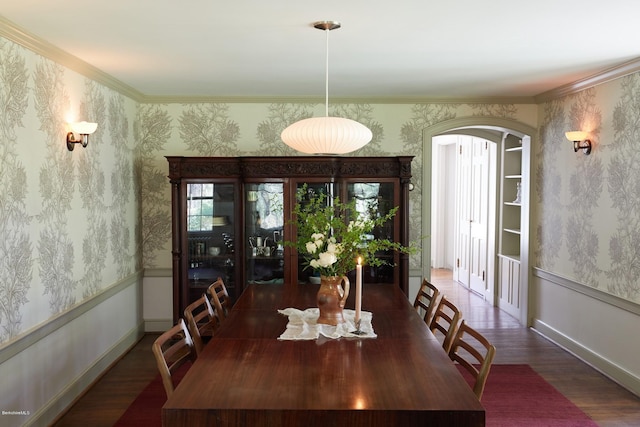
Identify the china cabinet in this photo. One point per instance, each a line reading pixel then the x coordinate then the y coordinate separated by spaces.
pixel 232 215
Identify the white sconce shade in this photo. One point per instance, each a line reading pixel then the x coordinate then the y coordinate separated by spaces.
pixel 326 135
pixel 83 130
pixel 576 135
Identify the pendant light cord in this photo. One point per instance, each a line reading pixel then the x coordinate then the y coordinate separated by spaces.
pixel 326 78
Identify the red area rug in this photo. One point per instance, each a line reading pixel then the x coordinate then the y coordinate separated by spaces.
pixel 514 396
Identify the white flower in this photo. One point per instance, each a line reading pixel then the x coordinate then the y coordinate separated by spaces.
pixel 326 259
pixel 312 247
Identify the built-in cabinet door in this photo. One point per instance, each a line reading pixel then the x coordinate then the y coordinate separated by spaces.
pixel 509 289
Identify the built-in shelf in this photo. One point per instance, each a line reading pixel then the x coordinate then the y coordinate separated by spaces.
pixel 513 176
pixel 512 230
pixel 513 204
pixel 513 149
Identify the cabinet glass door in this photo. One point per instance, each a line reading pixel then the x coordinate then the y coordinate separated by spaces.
pixel 264 227
pixel 374 200
pixel 210 236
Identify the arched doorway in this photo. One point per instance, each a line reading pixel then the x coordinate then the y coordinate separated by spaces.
pixel 494 129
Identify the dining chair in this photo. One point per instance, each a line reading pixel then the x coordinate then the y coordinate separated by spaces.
pixel 446 320
pixel 475 353
pixel 172 350
pixel 220 299
pixel 426 301
pixel 201 320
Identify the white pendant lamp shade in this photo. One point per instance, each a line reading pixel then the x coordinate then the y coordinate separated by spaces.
pixel 326 135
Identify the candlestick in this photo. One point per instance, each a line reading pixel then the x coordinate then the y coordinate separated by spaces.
pixel 358 291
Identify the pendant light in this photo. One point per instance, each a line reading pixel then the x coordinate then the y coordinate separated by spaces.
pixel 326 135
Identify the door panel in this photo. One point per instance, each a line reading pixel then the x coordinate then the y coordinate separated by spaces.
pixel 479 212
pixel 463 203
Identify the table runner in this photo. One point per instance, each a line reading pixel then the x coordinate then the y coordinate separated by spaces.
pixel 303 325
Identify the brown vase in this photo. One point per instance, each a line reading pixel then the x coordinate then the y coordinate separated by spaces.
pixel 332 296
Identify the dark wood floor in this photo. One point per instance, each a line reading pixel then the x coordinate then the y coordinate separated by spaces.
pixel 603 400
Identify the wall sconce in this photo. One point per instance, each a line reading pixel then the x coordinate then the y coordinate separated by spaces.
pixel 579 139
pixel 83 130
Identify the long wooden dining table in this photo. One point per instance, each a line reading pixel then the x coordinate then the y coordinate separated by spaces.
pixel 246 376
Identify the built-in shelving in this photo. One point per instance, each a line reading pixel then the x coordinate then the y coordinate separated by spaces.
pixel 513 213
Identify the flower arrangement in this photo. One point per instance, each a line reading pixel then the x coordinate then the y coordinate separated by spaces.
pixel 332 235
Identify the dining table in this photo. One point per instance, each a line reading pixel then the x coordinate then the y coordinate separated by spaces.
pixel 247 375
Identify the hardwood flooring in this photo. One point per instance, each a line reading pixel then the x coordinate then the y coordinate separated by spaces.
pixel 607 403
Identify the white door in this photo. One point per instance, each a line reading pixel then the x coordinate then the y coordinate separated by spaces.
pixel 463 203
pixel 472 212
pixel 478 213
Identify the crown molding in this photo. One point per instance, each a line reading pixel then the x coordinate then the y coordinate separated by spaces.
pixel 605 76
pixel 12 32
pixel 178 99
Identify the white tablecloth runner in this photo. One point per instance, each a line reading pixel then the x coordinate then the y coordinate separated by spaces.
pixel 302 325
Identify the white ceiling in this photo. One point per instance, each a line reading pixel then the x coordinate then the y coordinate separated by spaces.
pixel 402 49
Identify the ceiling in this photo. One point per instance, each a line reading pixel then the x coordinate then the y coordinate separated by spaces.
pixel 405 49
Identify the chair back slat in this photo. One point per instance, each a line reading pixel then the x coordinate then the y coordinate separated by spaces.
pixel 446 320
pixel 426 301
pixel 172 350
pixel 475 353
pixel 201 320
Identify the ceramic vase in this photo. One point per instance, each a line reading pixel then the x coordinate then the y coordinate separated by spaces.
pixel 332 296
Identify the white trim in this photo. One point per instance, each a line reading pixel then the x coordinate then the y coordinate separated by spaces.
pixel 605 297
pixel 608 368
pixel 597 79
pixel 29 338
pixel 62 401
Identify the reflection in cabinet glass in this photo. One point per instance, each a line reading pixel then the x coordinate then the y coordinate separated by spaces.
pixel 264 227
pixel 374 200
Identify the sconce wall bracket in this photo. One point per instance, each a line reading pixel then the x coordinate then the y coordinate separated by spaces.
pixel 584 145
pixel 71 141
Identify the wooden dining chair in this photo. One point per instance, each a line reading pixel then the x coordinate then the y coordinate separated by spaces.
pixel 473 351
pixel 202 321
pixel 172 350
pixel 426 301
pixel 446 319
pixel 219 299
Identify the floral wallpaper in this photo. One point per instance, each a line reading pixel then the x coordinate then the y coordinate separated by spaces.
pixel 67 219
pixel 588 206
pixel 16 256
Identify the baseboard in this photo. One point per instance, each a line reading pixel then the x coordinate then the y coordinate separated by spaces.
pixel 157 325
pixel 67 397
pixel 604 366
